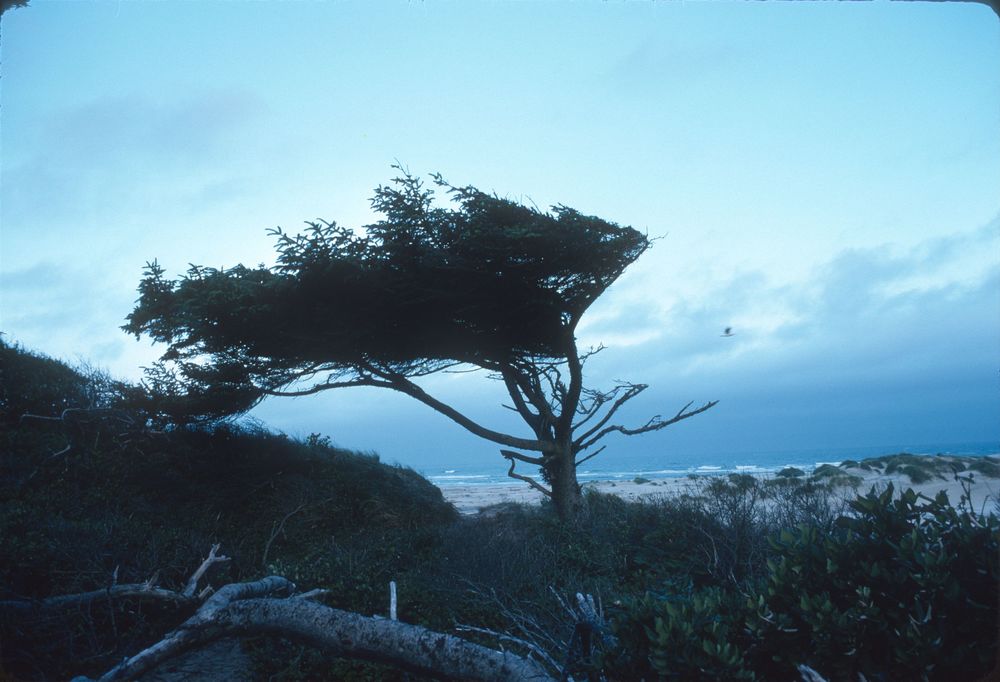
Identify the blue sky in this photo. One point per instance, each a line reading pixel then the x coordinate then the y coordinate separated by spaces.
pixel 825 178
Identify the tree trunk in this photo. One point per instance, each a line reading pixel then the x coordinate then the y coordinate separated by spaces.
pixel 561 471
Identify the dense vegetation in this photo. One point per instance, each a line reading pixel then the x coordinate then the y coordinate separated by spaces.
pixel 745 579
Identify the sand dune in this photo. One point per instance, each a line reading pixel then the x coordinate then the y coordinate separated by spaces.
pixel 469 499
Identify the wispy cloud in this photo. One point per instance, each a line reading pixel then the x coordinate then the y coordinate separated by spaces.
pixel 128 152
pixel 864 312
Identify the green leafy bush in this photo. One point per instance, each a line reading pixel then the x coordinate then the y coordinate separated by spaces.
pixel 900 588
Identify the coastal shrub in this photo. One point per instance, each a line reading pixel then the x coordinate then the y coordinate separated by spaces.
pixel 791 472
pixel 834 476
pixel 34 383
pixel 901 588
pixel 916 474
pixel 987 466
pixel 682 633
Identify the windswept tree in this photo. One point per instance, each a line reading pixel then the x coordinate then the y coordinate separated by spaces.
pixel 485 283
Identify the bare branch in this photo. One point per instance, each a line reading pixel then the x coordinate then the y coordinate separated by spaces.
pixel 404 385
pixel 528 382
pixel 326 386
pixel 595 453
pixel 630 391
pixel 527 479
pixel 276 529
pixel 507 637
pixel 533 419
pixel 146 590
pixel 192 584
pixel 125 591
pixel 509 454
pixel 654 424
pixel 591 352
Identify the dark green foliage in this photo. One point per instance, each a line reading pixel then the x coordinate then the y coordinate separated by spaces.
pixel 695 635
pixel 826 470
pixel 900 588
pixel 791 472
pixel 986 466
pixel 491 281
pixel 926 468
pixel 830 475
pixel 141 502
pixel 31 383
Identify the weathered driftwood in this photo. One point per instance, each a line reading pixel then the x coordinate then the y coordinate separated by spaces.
pixel 146 590
pixel 268 607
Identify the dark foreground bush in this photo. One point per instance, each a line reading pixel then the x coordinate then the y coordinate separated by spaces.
pixel 125 504
pixel 898 589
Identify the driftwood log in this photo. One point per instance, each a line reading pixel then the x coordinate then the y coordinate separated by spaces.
pixel 271 607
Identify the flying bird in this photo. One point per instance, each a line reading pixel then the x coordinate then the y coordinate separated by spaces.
pixel 727 332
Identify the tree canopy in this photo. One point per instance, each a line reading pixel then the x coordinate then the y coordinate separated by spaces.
pixel 483 281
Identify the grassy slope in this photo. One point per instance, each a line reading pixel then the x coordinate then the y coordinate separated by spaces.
pixel 140 502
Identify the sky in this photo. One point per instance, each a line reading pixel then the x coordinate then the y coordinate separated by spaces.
pixel 822 177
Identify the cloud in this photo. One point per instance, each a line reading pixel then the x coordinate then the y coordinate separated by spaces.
pixel 67 311
pixel 877 345
pixel 129 152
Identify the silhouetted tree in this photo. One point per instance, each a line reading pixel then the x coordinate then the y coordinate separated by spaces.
pixel 490 284
pixel 11 4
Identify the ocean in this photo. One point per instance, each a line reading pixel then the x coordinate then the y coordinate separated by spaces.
pixel 625 467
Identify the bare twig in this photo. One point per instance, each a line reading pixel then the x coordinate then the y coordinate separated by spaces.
pixel 276 531
pixel 595 453
pixel 192 584
pixel 507 637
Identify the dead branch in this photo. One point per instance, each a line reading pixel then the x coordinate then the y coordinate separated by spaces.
pixel 507 637
pixel 527 479
pixel 257 608
pixel 192 583
pixel 147 590
pixel 125 591
pixel 654 424
pixel 510 454
pixel 630 391
pixel 276 529
pixel 595 453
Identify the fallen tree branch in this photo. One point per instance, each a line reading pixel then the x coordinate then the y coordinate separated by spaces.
pixel 192 583
pixel 147 590
pixel 127 591
pixel 252 609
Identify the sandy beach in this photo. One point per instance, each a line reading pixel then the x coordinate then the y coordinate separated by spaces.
pixel 470 499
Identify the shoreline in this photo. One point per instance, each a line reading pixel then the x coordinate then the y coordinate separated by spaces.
pixel 471 499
